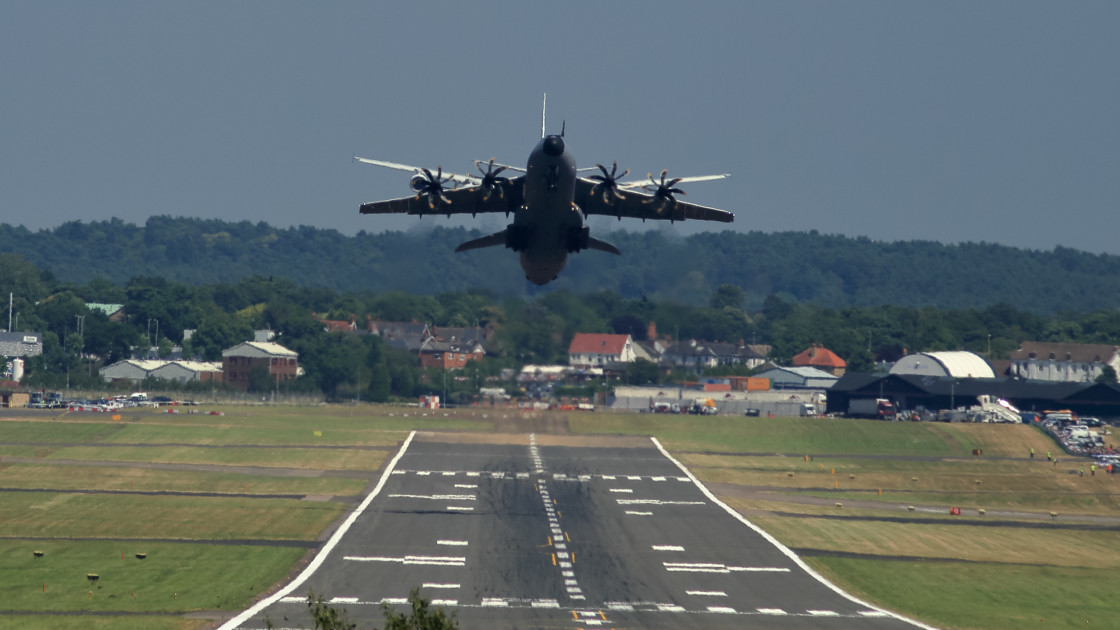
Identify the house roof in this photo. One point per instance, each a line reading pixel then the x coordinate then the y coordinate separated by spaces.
pixel 1079 352
pixel 819 356
pixel 717 349
pixel 594 343
pixel 258 349
pixel 107 309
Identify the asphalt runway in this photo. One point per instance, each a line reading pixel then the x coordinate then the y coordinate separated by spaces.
pixel 547 536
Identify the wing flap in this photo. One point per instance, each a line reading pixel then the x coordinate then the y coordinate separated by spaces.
pixel 640 205
pixel 472 200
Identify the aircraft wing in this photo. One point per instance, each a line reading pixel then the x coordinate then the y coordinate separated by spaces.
pixel 417 170
pixel 505 197
pixel 641 205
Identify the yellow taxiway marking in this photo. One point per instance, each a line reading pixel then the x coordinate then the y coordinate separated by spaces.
pixel 553 559
pixel 566 537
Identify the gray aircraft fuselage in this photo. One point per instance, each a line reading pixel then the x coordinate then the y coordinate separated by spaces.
pixel 549 216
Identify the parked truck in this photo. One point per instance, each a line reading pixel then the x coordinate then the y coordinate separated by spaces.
pixel 876 408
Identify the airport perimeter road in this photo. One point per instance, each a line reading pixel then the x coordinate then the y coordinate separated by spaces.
pixel 531 535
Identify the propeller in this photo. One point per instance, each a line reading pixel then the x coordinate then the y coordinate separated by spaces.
pixel 608 183
pixel 432 186
pixel 663 191
pixel 491 181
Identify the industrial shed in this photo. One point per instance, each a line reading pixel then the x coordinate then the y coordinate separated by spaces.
pixel 129 369
pixel 798 378
pixel 184 371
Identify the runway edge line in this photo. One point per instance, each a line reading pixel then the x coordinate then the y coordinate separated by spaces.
pixel 785 550
pixel 325 551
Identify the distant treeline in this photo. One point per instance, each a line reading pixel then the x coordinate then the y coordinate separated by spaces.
pixel 805 267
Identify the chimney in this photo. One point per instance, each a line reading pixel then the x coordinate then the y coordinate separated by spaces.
pixel 651 332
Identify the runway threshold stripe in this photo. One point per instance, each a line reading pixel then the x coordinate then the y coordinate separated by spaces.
pixel 435 497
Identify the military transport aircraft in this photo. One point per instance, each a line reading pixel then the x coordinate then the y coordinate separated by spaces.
pixel 549 201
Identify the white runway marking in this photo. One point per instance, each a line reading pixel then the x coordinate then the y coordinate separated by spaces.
pixel 823 613
pixel 625 490
pixel 448 561
pixel 667 548
pixel 772 611
pixel 633 513
pixel 436 497
pixel 707 593
pixel 657 502
pixel 444 602
pixel 460 508
pixel 696 567
pixel 760 569
pixel 721 609
pixel 466 486
pixel 325 551
pixel 436 585
pixel 453 543
pixel 670 608
pixel 343 600
pixel 546 603
pixel 620 606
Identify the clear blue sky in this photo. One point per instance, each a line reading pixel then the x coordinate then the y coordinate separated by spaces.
pixel 951 121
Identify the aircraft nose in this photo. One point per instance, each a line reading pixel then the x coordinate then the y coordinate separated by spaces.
pixel 554 146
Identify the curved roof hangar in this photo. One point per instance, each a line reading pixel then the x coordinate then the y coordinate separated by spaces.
pixel 954 364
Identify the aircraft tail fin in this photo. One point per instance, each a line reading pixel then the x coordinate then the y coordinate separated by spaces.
pixel 498 238
pixel 603 246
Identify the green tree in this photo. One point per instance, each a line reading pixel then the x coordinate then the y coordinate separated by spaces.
pixel 727 295
pixel 1107 375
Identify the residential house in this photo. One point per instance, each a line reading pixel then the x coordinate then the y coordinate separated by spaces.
pixel 696 355
pixel 1065 362
pixel 598 350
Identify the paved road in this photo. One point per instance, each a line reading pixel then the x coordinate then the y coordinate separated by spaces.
pixel 536 536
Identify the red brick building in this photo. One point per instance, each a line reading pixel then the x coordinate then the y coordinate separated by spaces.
pixel 449 356
pixel 238 362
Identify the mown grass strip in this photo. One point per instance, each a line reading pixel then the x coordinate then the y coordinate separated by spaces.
pixel 314 459
pixel 1073 548
pixel 126 478
pixel 34 514
pixel 959 596
pixel 786 435
pixel 172 578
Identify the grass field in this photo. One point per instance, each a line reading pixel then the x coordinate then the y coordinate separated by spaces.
pixel 1002 570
